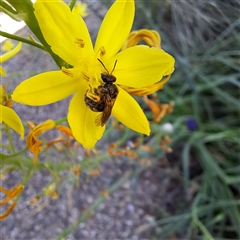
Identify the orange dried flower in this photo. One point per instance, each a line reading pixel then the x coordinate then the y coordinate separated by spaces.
pixel 117 126
pixel 56 142
pixel 122 152
pixel 10 194
pixel 115 153
pixel 34 200
pixel 147 148
pixel 90 151
pixel 76 170
pixel 163 144
pixel 34 144
pixel 65 129
pixel 158 110
pixel 94 172
pixel 129 153
pixel 65 136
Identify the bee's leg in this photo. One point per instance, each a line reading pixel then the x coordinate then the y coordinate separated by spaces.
pixel 93 94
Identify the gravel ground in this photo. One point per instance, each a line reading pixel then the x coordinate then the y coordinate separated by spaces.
pixel 121 216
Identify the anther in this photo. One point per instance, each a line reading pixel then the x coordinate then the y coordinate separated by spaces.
pixel 87 78
pixel 67 72
pixel 102 51
pixel 80 42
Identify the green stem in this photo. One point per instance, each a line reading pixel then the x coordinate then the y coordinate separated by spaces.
pixel 19 152
pixel 28 162
pixel 17 38
pixel 57 122
pixel 8 8
pixel 201 226
pixel 11 145
pixel 14 16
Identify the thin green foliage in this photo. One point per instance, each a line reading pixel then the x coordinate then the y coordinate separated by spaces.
pixel 203 36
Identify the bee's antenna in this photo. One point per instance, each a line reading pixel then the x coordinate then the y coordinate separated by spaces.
pixel 102 64
pixel 114 66
pixel 106 68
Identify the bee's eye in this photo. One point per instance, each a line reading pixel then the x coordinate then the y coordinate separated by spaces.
pixel 104 77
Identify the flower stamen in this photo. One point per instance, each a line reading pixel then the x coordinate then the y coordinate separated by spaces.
pixel 87 78
pixel 80 42
pixel 67 72
pixel 101 51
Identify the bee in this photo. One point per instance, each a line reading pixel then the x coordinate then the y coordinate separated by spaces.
pixel 106 96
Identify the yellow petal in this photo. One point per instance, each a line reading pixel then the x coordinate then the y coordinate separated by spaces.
pixel 8 116
pixel 45 88
pixel 6 56
pixel 115 27
pixel 82 120
pixel 141 66
pixel 2 71
pixel 127 111
pixel 61 28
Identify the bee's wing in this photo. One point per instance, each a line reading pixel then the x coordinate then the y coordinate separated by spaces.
pixel 102 118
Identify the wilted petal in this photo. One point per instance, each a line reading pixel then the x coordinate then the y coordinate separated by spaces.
pixel 115 27
pixel 127 111
pixel 8 116
pixel 151 37
pixel 45 88
pixel 141 66
pixel 82 120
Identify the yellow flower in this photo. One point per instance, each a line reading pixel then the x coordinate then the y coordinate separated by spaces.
pixel 81 9
pixel 7 115
pixel 6 56
pixel 34 144
pixel 68 36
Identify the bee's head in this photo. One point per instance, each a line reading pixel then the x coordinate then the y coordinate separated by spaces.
pixel 107 78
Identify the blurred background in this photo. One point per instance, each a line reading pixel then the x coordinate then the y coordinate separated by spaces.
pixel 191 192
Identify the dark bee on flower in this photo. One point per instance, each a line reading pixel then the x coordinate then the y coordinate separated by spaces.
pixel 106 96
